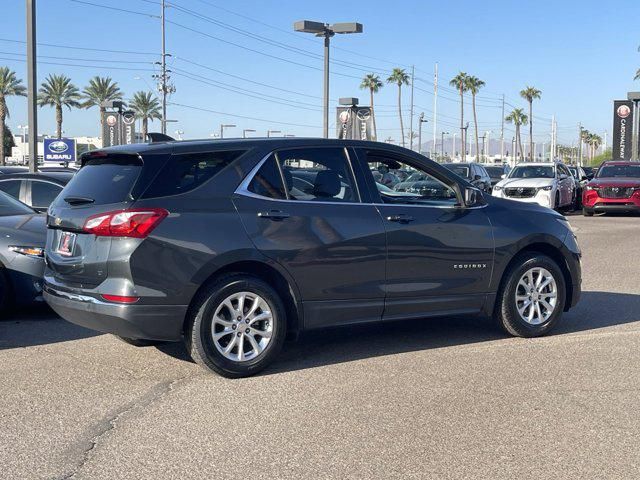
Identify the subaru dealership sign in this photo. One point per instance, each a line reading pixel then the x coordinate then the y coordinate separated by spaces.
pixel 61 151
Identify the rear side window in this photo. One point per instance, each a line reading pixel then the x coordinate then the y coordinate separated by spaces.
pixel 268 182
pixel 184 172
pixel 43 193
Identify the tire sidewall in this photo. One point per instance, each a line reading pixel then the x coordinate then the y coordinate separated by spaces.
pixel 202 338
pixel 512 321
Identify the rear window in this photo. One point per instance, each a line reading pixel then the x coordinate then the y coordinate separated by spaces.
pixel 184 172
pixel 108 179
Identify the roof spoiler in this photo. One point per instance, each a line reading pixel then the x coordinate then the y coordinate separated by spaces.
pixel 154 137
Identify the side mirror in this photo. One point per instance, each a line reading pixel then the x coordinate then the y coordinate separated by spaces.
pixel 584 178
pixel 503 176
pixel 473 197
pixel 477 177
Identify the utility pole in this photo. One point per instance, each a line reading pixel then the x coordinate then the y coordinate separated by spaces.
pixel 483 137
pixel 502 133
pixel 163 72
pixel 579 159
pixel 442 146
pixel 464 134
pixel 421 120
pixel 604 144
pixel 413 75
pixel 453 146
pixel 32 85
pixel 435 105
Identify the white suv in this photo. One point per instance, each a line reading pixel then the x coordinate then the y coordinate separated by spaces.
pixel 548 184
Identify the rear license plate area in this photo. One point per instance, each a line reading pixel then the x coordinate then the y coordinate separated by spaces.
pixel 66 244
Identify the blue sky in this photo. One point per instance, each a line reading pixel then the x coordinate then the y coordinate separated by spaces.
pixel 581 55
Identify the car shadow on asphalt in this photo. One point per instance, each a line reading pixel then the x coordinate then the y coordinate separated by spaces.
pixel 596 310
pixel 38 326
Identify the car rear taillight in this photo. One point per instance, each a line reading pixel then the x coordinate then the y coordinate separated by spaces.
pixel 120 298
pixel 134 222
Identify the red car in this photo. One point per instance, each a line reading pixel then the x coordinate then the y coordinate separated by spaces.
pixel 616 187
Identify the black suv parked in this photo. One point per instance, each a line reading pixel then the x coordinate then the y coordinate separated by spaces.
pixel 232 244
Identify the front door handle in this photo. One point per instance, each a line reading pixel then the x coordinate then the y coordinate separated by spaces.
pixel 274 214
pixel 400 218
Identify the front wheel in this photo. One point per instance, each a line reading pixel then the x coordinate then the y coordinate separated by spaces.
pixel 238 326
pixel 532 296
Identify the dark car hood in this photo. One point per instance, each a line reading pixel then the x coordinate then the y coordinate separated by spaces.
pixel 524 207
pixel 615 182
pixel 31 229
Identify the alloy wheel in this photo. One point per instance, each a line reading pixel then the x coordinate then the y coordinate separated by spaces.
pixel 536 296
pixel 242 326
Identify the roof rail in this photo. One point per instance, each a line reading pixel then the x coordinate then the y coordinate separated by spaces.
pixel 154 137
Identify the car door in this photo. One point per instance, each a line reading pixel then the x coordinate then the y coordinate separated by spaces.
pixel 439 254
pixel 14 187
pixel 319 230
pixel 566 184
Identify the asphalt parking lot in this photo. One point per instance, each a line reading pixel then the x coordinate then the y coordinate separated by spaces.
pixel 451 398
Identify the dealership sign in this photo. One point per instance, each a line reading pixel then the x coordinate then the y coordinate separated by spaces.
pixel 355 122
pixel 622 129
pixel 59 150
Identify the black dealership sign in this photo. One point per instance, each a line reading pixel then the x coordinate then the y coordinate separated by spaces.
pixel 128 127
pixel 622 129
pixel 354 123
pixel 111 129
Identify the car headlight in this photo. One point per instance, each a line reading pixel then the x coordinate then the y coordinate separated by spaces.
pixel 547 188
pixel 28 251
pixel 589 187
pixel 497 188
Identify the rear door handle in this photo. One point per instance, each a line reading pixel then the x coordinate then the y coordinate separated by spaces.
pixel 400 218
pixel 274 214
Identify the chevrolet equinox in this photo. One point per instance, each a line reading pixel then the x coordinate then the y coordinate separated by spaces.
pixel 233 245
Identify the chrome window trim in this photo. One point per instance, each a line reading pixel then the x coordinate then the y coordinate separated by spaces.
pixel 243 189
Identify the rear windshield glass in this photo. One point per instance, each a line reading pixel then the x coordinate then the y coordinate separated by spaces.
pixel 184 172
pixel 103 182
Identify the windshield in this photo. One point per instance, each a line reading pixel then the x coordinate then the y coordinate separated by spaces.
pixel 632 171
pixel 532 171
pixel 495 172
pixel 11 206
pixel 460 170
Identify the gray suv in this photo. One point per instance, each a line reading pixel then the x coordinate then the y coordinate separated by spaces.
pixel 232 245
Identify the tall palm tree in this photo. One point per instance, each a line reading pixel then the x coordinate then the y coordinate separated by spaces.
pixel 10 85
pixel 146 107
pixel 399 77
pixel 374 84
pixel 57 91
pixel 518 118
pixel 460 83
pixel 474 84
pixel 530 94
pixel 584 137
pixel 99 90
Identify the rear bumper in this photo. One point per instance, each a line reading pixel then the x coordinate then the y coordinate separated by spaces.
pixel 150 322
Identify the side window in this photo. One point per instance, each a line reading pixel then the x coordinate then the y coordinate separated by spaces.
pixel 184 172
pixel 12 187
pixel 267 182
pixel 43 193
pixel 420 187
pixel 318 174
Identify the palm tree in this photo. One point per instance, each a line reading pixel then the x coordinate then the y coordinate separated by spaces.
pixel 146 107
pixel 518 118
pixel 99 90
pixel 529 94
pixel 374 84
pixel 474 84
pixel 584 137
pixel 10 85
pixel 460 83
pixel 57 91
pixel 399 77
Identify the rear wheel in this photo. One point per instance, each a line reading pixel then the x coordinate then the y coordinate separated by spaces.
pixel 532 297
pixel 238 326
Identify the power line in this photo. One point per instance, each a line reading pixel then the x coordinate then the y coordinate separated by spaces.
pixel 110 67
pixel 114 8
pixel 72 47
pixel 79 59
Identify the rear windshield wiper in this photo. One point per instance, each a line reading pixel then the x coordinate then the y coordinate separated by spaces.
pixel 78 200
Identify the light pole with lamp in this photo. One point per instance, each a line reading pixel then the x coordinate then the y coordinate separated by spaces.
pixel 327 31
pixel 269 132
pixel 179 133
pixel 247 130
pixel 223 126
pixel 421 120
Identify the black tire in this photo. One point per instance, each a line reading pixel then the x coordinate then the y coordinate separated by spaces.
pixel 556 204
pixel 139 342
pixel 586 212
pixel 199 339
pixel 506 312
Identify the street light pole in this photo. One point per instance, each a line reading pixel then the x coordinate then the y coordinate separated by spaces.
pixel 442 145
pixel 245 131
pixel 32 86
pixel 421 120
pixel 327 31
pixel 223 126
pixel 269 132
